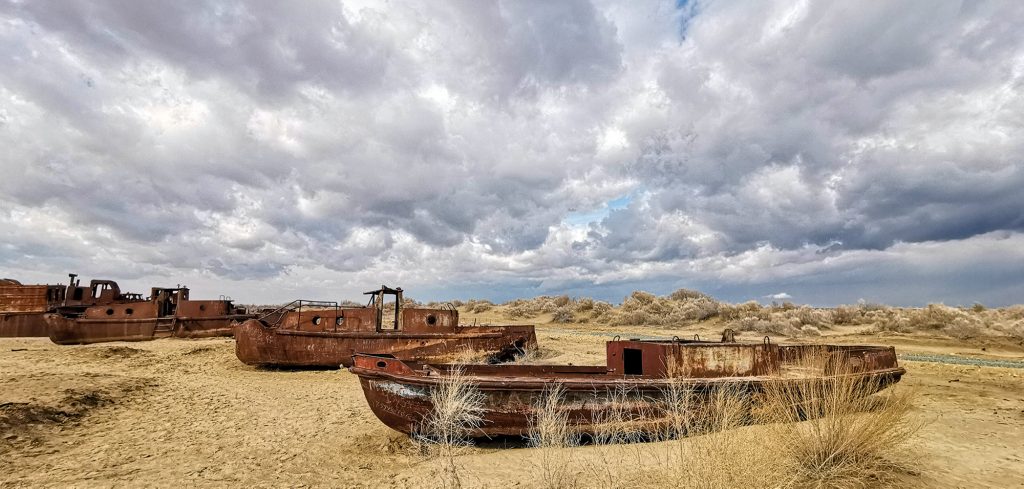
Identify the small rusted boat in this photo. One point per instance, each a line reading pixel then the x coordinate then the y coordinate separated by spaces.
pixel 325 335
pixel 399 392
pixel 22 307
pixel 168 312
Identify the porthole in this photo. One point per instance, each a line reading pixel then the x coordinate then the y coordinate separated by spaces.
pixel 382 364
pixel 338 321
pixel 431 319
pixel 128 311
pixel 110 312
pixel 202 307
pixel 316 320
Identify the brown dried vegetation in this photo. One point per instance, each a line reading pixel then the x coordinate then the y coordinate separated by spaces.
pixel 834 435
pixel 684 307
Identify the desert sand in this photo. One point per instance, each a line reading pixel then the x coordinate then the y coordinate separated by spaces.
pixel 186 412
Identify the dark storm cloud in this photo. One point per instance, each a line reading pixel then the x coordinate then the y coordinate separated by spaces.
pixel 267 47
pixel 838 124
pixel 331 143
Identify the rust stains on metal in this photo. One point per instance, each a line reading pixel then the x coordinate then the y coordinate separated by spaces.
pixel 22 307
pixel 398 392
pixel 167 312
pixel 324 334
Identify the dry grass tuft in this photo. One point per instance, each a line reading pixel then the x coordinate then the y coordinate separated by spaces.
pixel 834 434
pixel 464 356
pixel 552 435
pixel 458 411
pixel 530 356
pixel 706 447
pixel 839 433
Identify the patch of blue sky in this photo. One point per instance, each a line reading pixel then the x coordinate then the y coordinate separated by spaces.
pixel 582 218
pixel 688 9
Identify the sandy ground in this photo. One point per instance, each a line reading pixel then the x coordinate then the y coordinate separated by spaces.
pixel 186 412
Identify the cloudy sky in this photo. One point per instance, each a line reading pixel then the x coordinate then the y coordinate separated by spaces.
pixel 824 151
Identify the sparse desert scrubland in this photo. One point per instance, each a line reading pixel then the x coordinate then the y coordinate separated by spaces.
pixel 685 307
pixel 187 412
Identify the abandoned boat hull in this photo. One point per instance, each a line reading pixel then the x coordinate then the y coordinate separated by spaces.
pixel 167 313
pixel 399 393
pixel 22 307
pixel 31 324
pixel 261 345
pixel 79 331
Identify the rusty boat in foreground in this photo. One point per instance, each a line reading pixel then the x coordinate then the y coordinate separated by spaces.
pixel 168 312
pixel 23 307
pixel 316 334
pixel 399 393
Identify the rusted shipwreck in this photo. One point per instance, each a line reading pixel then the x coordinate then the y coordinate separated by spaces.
pixel 399 392
pixel 326 335
pixel 167 312
pixel 23 307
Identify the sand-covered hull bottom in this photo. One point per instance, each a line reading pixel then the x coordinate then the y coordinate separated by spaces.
pixel 77 331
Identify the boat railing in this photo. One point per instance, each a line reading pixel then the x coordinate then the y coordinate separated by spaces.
pixel 274 318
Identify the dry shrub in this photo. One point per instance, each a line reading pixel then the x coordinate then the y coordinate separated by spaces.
pixel 699 309
pixel 631 318
pixel 962 328
pixel 961 323
pixel 583 304
pixel 528 308
pixel 1014 329
pixel 775 325
pixel 601 308
pixel 682 306
pixel 745 310
pixel 891 320
pixel 520 309
pixel 809 330
pixel 562 315
pixel 457 411
pixel 687 294
pixel 846 315
pixel 637 300
pixel 551 435
pixel 477 306
pixel 838 433
pixel 808 316
pixel 934 316
pixel 1012 312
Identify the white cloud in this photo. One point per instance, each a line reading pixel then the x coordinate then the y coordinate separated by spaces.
pixel 331 147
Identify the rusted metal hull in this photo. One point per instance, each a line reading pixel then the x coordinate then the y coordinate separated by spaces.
pixel 22 307
pixel 28 324
pixel 261 345
pixel 77 331
pixel 398 393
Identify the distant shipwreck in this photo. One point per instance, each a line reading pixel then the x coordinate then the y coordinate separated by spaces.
pixel 326 334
